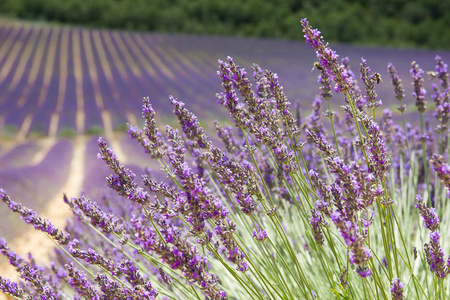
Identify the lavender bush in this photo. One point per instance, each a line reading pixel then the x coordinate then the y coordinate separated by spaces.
pixel 336 205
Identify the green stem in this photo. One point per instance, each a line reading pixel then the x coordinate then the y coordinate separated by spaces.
pixel 332 126
pixel 424 154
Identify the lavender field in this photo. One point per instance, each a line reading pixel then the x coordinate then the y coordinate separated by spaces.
pixel 63 87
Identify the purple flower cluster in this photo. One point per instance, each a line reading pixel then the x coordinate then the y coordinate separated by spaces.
pixel 189 124
pixel 369 81
pixel 441 95
pixel 397 289
pixel 317 222
pixel 419 91
pixel 441 72
pixel 265 111
pixel 430 218
pixel 10 288
pixel 434 255
pixel 328 58
pixel 32 218
pixel 442 113
pixel 150 139
pixel 37 284
pixel 442 169
pixel 399 90
pixel 313 123
pixel 359 253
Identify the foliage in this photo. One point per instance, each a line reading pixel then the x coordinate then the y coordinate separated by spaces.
pixel 67 133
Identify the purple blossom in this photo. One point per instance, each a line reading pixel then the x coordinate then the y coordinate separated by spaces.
pixel 260 235
pixel 441 72
pixel 10 288
pixel 369 81
pixel 282 104
pixel 317 222
pixel 328 58
pixel 81 284
pixel 419 91
pixel 397 289
pixel 359 254
pixel 430 218
pixel 442 169
pixel 189 124
pixel 364 272
pixel 123 179
pixel 399 90
pixel 434 255
pixel 107 222
pixel 31 217
pixel 313 123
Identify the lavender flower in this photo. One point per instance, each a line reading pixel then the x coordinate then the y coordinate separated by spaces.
pixel 441 97
pixel 442 72
pixel 31 217
pixel 201 204
pixel 260 235
pixel 419 91
pixel 260 105
pixel 328 58
pixel 397 289
pixel 359 253
pixel 325 80
pixel 435 256
pixel 151 141
pixel 10 288
pixel 313 123
pixel 189 124
pixel 81 284
pixel 378 160
pixel 229 99
pixel 43 286
pixel 321 143
pixel 107 222
pixel 317 222
pixel 430 218
pixel 123 180
pixel 442 112
pixel 282 103
pixel 342 280
pixel 226 135
pixel 238 178
pixel 369 81
pixel 399 90
pixel 442 169
pixel 323 205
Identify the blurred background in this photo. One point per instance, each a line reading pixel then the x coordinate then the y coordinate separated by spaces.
pixel 71 71
pixel 400 23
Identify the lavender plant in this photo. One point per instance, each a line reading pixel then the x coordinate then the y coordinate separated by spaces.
pixel 328 209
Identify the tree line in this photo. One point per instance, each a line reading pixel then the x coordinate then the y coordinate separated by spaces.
pixel 403 23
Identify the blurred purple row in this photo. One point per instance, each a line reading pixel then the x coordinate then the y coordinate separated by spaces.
pixel 94 70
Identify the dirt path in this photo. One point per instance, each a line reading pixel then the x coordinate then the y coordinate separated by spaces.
pixel 36 242
pixel 46 145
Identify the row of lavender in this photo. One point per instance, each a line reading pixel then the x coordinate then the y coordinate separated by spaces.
pixel 54 78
